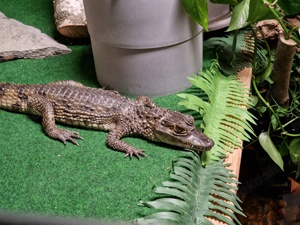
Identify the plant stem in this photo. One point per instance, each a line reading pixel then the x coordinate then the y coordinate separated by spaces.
pixel 273 11
pixel 267 104
pixel 273 112
pixel 291 121
pixel 296 40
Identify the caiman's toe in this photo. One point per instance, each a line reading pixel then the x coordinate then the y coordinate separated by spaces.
pixel 136 153
pixel 64 135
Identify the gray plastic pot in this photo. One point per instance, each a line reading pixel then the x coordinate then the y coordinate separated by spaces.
pixel 219 16
pixel 143 47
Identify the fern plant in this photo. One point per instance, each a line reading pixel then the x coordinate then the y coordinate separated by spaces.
pixel 202 188
pixel 194 194
pixel 226 118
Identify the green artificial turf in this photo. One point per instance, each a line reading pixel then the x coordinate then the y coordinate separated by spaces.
pixel 42 176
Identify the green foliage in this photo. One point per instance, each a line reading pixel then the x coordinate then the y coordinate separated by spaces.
pixel 257 10
pixel 290 7
pixel 263 64
pixel 234 52
pixel 246 12
pixel 230 2
pixel 239 18
pixel 294 148
pixel 283 122
pixel 198 11
pixel 267 144
pixel 225 116
pixel 195 193
pixel 250 11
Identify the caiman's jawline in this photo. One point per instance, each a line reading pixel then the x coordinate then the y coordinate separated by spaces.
pixel 188 145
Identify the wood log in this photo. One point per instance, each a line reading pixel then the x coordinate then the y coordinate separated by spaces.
pixel 285 51
pixel 70 18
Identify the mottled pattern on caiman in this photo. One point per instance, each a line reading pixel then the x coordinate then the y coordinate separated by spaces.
pixel 72 103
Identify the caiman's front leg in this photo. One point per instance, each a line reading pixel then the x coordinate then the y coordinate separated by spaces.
pixel 113 141
pixel 44 108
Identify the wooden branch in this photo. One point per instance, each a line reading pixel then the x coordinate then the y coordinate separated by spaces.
pixel 70 18
pixel 234 158
pixel 285 51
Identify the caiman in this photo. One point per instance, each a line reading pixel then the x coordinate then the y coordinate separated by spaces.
pixel 70 102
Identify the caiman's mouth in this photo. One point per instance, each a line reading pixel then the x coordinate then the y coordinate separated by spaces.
pixel 204 145
pixel 195 140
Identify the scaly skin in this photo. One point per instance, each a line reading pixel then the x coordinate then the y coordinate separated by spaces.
pixel 72 103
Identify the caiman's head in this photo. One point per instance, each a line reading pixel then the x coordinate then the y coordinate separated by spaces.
pixel 178 129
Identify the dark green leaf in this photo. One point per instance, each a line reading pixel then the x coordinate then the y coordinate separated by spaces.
pixel 267 144
pixel 253 99
pixel 274 122
pixel 290 7
pixel 198 11
pixel 239 16
pixel 295 154
pixel 261 110
pixel 229 2
pixel 263 75
pixel 295 150
pixel 284 149
pixel 257 10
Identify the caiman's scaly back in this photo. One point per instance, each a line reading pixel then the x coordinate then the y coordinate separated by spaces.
pixel 72 103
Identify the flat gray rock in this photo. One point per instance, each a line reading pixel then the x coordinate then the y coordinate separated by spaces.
pixel 22 41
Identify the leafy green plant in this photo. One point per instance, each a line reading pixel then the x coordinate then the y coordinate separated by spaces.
pixel 225 116
pixel 246 12
pixel 198 10
pixel 202 187
pixel 194 194
pixel 283 113
pixel 282 125
pixel 190 198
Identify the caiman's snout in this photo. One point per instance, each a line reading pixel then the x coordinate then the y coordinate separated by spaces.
pixel 200 142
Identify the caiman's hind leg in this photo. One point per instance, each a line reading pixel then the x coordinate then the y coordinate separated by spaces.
pixel 44 108
pixel 113 141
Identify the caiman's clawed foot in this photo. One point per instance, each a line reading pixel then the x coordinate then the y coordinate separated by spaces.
pixel 64 135
pixel 135 152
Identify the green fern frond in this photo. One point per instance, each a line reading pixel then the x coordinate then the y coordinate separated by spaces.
pixel 197 193
pixel 194 194
pixel 234 52
pixel 226 119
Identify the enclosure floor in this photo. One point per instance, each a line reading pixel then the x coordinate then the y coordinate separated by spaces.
pixel 42 176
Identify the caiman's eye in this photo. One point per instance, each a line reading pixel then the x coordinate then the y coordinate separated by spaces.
pixel 179 130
